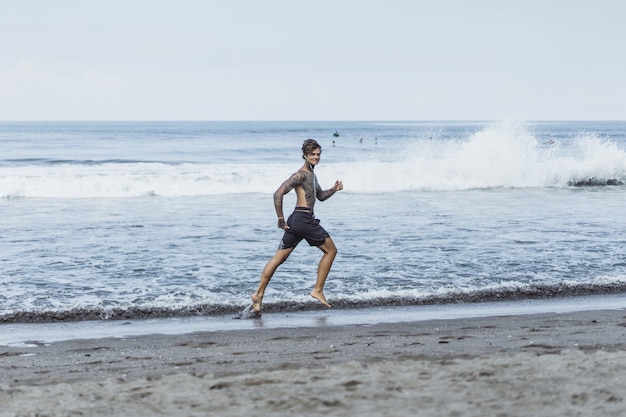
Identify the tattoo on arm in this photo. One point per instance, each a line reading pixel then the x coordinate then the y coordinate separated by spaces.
pixel 285 187
pixel 324 194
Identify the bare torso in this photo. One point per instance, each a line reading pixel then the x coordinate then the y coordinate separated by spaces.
pixel 303 182
pixel 307 190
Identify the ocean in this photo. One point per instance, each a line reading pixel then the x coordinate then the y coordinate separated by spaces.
pixel 133 220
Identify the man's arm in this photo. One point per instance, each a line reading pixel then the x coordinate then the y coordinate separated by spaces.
pixel 326 194
pixel 284 188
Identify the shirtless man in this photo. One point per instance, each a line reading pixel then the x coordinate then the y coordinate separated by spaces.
pixel 302 224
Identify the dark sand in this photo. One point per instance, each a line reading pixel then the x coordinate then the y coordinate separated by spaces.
pixel 568 364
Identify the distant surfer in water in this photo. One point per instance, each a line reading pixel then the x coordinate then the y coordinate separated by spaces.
pixel 301 224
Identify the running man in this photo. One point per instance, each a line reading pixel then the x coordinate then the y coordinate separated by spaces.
pixel 301 224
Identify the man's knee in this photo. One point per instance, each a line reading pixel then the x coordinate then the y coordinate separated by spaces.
pixel 333 250
pixel 281 255
pixel 329 247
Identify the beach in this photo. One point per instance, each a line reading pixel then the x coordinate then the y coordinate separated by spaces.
pixel 570 364
pixel 480 271
pixel 135 220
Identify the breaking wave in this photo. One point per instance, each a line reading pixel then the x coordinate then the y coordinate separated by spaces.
pixel 501 156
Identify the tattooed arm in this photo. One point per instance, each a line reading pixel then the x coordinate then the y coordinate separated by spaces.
pixel 291 182
pixel 326 194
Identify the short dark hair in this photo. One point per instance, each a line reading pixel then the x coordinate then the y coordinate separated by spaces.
pixel 309 145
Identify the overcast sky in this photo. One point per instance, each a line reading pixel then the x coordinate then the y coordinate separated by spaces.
pixel 312 60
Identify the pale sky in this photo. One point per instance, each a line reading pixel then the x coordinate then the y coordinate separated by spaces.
pixel 312 60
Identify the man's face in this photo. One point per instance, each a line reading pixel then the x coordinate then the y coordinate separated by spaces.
pixel 313 158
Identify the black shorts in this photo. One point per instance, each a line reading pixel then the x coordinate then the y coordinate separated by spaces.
pixel 303 225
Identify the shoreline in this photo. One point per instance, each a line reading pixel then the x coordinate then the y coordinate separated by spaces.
pixel 538 292
pixel 517 364
pixel 20 334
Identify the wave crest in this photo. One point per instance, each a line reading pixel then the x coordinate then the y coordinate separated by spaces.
pixel 499 156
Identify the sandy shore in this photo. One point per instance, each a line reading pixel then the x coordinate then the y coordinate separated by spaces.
pixel 570 364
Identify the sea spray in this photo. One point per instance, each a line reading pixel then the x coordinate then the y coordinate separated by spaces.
pixel 497 156
pixel 500 156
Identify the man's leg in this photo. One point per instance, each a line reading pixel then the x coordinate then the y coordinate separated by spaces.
pixel 279 257
pixel 330 251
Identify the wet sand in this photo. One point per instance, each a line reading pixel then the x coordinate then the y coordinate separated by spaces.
pixel 522 365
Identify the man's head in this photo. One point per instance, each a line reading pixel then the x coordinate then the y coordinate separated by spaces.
pixel 309 146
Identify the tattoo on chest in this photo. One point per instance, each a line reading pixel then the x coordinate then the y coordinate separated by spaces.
pixel 303 179
pixel 308 184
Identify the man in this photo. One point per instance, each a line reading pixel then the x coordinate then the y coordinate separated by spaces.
pixel 302 224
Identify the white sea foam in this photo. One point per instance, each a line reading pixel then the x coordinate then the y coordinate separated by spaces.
pixel 505 155
pixel 135 180
pixel 502 156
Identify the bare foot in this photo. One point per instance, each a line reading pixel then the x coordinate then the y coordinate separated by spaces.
pixel 256 303
pixel 319 296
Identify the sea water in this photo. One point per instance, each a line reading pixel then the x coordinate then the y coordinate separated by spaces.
pixel 106 220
